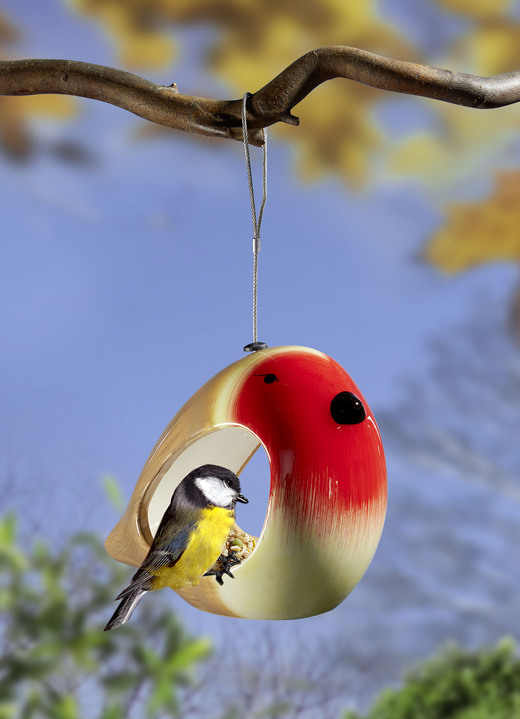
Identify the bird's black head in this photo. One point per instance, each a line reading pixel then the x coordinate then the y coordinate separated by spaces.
pixel 212 485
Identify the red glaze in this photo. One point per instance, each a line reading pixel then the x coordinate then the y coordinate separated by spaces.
pixel 319 469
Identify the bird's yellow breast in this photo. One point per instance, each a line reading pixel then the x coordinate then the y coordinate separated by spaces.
pixel 204 547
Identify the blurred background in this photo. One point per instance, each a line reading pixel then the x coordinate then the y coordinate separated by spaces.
pixel 390 241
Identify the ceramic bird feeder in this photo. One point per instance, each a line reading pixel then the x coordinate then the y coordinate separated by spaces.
pixel 327 497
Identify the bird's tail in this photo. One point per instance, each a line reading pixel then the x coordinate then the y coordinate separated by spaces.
pixel 126 607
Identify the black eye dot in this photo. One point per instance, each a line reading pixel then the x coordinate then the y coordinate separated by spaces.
pixel 346 408
pixel 270 378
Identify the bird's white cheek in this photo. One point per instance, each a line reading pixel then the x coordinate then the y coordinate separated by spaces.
pixel 215 491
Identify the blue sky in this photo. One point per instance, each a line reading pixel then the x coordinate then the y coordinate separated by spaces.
pixel 124 287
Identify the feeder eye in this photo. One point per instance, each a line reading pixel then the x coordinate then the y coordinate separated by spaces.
pixel 268 378
pixel 346 408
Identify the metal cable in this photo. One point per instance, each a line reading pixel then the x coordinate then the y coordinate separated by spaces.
pixel 257 221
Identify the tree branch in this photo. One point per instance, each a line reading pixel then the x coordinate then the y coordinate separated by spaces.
pixel 272 103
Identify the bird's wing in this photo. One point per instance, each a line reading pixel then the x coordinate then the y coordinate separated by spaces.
pixel 168 545
pixel 167 548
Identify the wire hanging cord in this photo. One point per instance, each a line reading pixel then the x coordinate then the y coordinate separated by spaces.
pixel 255 345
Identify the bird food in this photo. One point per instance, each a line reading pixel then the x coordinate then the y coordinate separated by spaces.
pixel 239 543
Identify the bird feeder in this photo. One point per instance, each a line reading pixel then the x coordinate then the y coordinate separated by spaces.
pixel 327 497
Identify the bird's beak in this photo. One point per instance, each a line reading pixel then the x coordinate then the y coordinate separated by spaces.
pixel 241 498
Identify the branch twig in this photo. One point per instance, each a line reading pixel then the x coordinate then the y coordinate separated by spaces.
pixel 272 103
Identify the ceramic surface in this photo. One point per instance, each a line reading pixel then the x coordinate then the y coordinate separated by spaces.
pixel 327 498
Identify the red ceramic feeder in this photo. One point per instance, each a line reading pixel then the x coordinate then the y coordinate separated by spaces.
pixel 327 497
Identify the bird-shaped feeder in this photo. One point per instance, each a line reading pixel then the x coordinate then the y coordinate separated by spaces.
pixel 327 497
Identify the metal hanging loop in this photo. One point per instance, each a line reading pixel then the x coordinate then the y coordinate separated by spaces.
pixel 255 345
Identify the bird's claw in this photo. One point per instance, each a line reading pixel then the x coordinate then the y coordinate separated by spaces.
pixel 222 566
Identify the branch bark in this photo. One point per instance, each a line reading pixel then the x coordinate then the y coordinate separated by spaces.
pixel 271 104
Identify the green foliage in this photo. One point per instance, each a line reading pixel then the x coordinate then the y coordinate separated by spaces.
pixel 113 493
pixel 456 684
pixel 56 661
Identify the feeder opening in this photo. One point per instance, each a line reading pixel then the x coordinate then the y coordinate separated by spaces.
pixel 233 447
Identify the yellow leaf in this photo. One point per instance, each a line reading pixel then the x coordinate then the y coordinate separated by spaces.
pixel 139 41
pixel 477 8
pixel 493 47
pixel 418 151
pixel 56 107
pixel 254 41
pixel 16 140
pixel 146 50
pixel 464 142
pixel 477 233
pixel 16 112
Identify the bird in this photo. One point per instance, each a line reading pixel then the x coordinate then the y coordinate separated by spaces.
pixel 189 538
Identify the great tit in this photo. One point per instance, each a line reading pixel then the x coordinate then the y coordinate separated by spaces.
pixel 189 538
